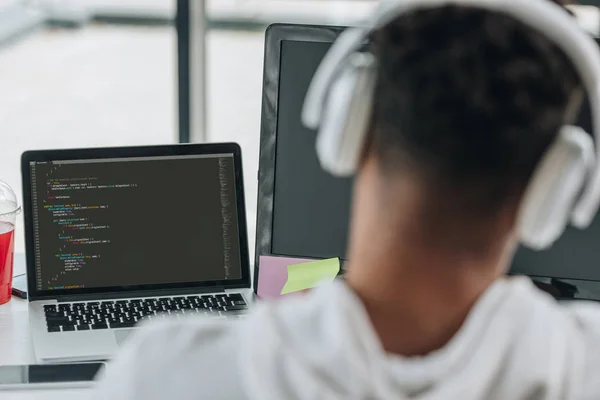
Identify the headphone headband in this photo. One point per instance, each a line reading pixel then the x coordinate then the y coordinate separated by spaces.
pixel 546 17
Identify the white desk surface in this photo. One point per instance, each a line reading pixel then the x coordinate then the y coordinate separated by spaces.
pixel 16 347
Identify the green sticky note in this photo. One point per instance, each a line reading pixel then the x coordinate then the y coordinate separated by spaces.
pixel 310 274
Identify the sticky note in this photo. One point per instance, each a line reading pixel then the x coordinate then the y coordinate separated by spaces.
pixel 273 274
pixel 310 274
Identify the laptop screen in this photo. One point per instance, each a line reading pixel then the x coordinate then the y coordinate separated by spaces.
pixel 134 221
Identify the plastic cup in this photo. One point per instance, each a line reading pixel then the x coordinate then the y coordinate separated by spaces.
pixel 9 209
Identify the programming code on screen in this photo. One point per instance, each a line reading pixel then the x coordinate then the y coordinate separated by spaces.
pixel 124 222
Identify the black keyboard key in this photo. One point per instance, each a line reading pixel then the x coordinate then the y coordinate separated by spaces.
pixel 54 328
pixel 54 314
pixel 235 308
pixel 122 301
pixel 194 299
pixel 57 321
pixel 50 307
pixel 85 327
pixel 117 325
pixel 236 297
pixel 100 326
pixel 68 328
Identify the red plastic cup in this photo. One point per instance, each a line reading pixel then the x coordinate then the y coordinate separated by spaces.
pixel 7 247
pixel 9 208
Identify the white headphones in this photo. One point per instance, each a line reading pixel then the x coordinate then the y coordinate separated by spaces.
pixel 339 102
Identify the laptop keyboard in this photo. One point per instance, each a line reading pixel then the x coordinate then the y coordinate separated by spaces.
pixel 84 316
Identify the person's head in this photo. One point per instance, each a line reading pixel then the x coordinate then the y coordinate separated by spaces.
pixel 466 103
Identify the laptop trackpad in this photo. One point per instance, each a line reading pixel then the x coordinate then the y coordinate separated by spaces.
pixel 122 334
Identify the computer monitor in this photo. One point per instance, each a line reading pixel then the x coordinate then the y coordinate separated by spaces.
pixel 303 211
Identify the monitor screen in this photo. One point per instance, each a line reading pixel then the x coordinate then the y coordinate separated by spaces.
pixel 311 208
pixel 122 222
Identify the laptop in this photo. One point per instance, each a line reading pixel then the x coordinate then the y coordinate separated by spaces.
pixel 115 236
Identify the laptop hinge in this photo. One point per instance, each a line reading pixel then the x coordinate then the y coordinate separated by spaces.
pixel 145 293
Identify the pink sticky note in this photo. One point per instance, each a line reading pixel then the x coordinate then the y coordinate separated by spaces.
pixel 273 274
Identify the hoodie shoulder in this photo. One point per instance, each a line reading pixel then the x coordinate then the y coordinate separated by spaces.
pixel 586 318
pixel 176 359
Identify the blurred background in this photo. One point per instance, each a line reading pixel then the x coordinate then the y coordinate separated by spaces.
pixel 80 73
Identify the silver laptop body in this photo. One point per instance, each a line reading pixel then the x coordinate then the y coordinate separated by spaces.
pixel 116 236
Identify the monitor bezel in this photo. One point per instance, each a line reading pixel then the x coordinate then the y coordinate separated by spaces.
pixel 274 36
pixel 129 152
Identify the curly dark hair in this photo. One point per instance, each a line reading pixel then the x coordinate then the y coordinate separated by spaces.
pixel 469 100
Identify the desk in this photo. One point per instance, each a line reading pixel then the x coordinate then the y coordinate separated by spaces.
pixel 16 346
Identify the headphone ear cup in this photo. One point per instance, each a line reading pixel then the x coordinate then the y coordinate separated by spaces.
pixel 556 184
pixel 346 116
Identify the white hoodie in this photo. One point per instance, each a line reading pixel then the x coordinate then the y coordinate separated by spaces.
pixel 517 343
